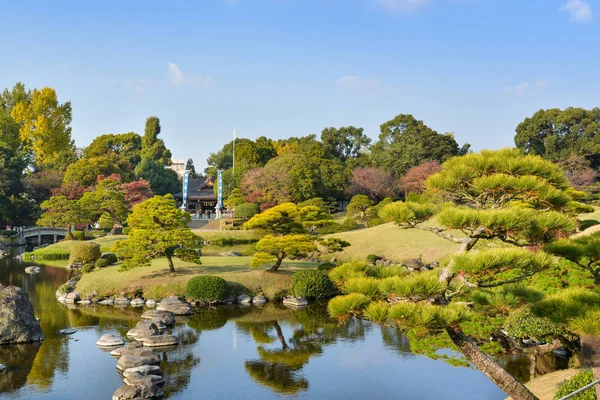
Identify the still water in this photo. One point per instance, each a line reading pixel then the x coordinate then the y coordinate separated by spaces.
pixel 226 353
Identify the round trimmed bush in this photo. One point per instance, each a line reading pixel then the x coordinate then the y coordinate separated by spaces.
pixel 78 235
pixel 87 268
pixel 246 210
pixel 101 263
pixel 110 257
pixel 85 253
pixel 126 231
pixel 207 288
pixel 312 284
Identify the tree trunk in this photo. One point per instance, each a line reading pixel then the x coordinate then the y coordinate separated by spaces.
pixel 170 262
pixel 277 264
pixel 497 374
pixel 280 335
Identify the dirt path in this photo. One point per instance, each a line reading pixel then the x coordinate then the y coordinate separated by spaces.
pixel 546 386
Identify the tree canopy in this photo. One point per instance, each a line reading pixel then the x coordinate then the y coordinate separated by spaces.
pixel 125 145
pixel 154 148
pixel 162 180
pixel 345 142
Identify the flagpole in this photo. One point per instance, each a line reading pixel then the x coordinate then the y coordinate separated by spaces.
pixel 233 174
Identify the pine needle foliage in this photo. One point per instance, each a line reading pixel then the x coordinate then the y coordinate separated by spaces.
pixel 343 307
pixel 350 270
pixel 364 285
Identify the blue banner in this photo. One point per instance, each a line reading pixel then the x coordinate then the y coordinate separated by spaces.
pixel 220 190
pixel 186 177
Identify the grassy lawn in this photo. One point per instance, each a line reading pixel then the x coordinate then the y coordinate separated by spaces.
pixel 395 243
pixel 593 215
pixel 157 282
pixel 106 243
pixel 225 235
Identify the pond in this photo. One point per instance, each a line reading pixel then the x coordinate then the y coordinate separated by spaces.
pixel 226 352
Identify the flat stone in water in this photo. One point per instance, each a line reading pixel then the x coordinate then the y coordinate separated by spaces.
pixel 144 328
pixel 109 340
pixel 137 358
pixel 137 302
pixel 139 379
pixel 121 300
pixel 67 331
pixel 176 306
pixel 32 270
pixel 160 341
pixel 259 299
pixel 107 302
pixel 230 300
pixel 166 317
pixel 127 392
pixel 128 347
pixel 84 302
pixel 150 303
pixel 143 370
pixel 295 302
pixel 244 298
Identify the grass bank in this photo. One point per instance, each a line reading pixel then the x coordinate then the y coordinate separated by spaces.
pixel 62 249
pixel 156 282
pixel 394 243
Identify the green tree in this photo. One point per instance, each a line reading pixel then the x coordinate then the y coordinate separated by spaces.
pixel 358 208
pixel 236 197
pixel 274 249
pixel 125 145
pixel 557 134
pixel 405 142
pixel 44 127
pixel 86 171
pixel 246 210
pixel 61 212
pixel 108 198
pixel 279 220
pixel 154 148
pixel 508 197
pixel 344 143
pixel 189 166
pixel 162 180
pixel 159 229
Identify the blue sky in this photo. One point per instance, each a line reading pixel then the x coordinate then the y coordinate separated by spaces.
pixel 284 68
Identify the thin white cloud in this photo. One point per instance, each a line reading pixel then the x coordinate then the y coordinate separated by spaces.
pixel 527 88
pixel 177 77
pixel 402 5
pixel 579 10
pixel 362 84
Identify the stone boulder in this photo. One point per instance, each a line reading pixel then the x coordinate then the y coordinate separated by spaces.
pixel 33 270
pixel 147 390
pixel 137 358
pixel 137 302
pixel 123 301
pixel 143 370
pixel 176 306
pixel 166 317
pixel 72 297
pixel 18 324
pixel 107 302
pixel 128 347
pixel 150 303
pixel 259 300
pixel 109 340
pixel 143 329
pixel 295 302
pixel 159 341
pixel 137 379
pixel 244 299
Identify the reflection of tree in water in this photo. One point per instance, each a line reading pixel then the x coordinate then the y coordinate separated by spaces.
pixel 394 339
pixel 18 360
pixel 279 367
pixel 177 362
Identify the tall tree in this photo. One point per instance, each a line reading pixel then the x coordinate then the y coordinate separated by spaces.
pixel 373 182
pixel 85 171
pixel 126 145
pixel 405 142
pixel 189 166
pixel 158 230
pixel 154 148
pixel 345 142
pixel 108 198
pixel 45 128
pixel 61 212
pixel 556 134
pixel 162 180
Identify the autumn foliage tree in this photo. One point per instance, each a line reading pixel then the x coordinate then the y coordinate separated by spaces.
pixel 373 182
pixel 158 229
pixel 414 181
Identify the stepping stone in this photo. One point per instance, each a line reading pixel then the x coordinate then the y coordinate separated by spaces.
pixel 62 298
pixel 137 302
pixel 84 302
pixel 72 297
pixel 176 306
pixel 259 300
pixel 143 370
pixel 122 300
pixel 107 302
pixel 137 358
pixel 33 270
pixel 150 303
pixel 136 379
pixel 67 331
pixel 167 317
pixel 230 300
pixel 109 340
pixel 144 328
pixel 244 299
pixel 160 341
pixel 128 347
pixel 295 302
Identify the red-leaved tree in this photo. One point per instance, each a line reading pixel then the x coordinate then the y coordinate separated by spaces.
pixel 373 182
pixel 137 192
pixel 414 179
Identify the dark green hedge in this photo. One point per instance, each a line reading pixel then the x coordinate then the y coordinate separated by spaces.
pixel 312 284
pixel 207 288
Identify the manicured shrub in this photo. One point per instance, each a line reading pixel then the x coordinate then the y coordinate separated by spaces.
pixel 343 307
pixel 46 254
pixel 64 288
pixel 87 268
pixel 78 235
pixel 312 284
pixel 110 257
pixel 85 253
pixel 365 285
pixel 101 263
pixel 207 288
pixel 349 224
pixel 246 210
pixel 372 258
pixel 575 383
pixel 7 233
pixel 326 266
pixel 583 225
pixel 126 231
pixel 349 270
pixel 377 312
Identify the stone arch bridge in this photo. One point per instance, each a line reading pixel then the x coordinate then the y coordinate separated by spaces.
pixel 35 234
